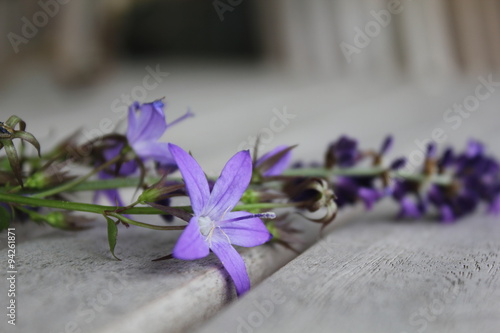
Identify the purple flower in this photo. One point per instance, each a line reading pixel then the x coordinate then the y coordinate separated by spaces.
pixel 475 162
pixel 478 175
pixel 406 192
pixel 431 151
pixel 398 163
pixel 349 190
pixel 145 129
pixel 344 153
pixel 146 125
pixel 386 145
pixel 411 208
pixel 494 206
pixel 452 206
pixel 213 226
pixel 474 149
pixel 277 168
pixel 446 160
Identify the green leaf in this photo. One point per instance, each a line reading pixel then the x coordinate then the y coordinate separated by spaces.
pixel 28 137
pixel 112 234
pixel 4 218
pixel 14 120
pixel 10 150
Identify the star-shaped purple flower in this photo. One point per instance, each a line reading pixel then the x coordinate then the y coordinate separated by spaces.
pixel 213 226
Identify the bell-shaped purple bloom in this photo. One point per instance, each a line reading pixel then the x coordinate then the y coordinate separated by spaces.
pixel 213 226
pixel 280 166
pixel 146 125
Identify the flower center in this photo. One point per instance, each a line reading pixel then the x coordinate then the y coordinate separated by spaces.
pixel 206 225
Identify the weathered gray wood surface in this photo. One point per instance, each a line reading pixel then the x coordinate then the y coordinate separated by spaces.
pixel 371 275
pixel 378 275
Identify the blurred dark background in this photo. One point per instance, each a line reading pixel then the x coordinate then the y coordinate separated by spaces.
pixel 82 40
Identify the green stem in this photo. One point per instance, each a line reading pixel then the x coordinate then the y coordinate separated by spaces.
pixel 32 214
pixel 374 171
pixel 48 203
pixel 95 185
pixel 327 173
pixel 101 210
pixel 146 225
pixel 105 184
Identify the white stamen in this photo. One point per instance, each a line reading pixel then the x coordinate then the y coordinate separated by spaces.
pixel 206 225
pixel 267 215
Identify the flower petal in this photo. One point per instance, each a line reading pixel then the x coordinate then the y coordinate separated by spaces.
pixel 280 166
pixel 411 209
pixel 229 188
pixel 248 232
pixel 149 125
pixel 369 196
pixel 191 244
pixel 194 178
pixel 157 151
pixel 234 265
pixel 126 168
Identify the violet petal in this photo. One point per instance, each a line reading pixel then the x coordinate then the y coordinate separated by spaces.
pixel 229 188
pixel 157 151
pixel 149 125
pixel 194 178
pixel 191 244
pixel 248 232
pixel 234 265
pixel 280 166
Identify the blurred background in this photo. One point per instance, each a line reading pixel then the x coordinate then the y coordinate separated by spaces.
pixel 81 40
pixel 69 58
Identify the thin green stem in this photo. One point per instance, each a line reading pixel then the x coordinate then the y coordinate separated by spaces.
pixel 99 209
pixel 146 225
pixel 105 184
pixel 327 173
pixel 48 203
pixel 374 171
pixel 32 214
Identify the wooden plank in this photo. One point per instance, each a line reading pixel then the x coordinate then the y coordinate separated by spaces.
pixel 378 275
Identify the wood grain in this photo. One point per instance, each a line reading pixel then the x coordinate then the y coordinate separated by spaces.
pixel 378 275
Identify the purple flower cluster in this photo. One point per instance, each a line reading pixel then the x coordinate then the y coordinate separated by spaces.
pixel 453 184
pixel 476 180
pixel 344 153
